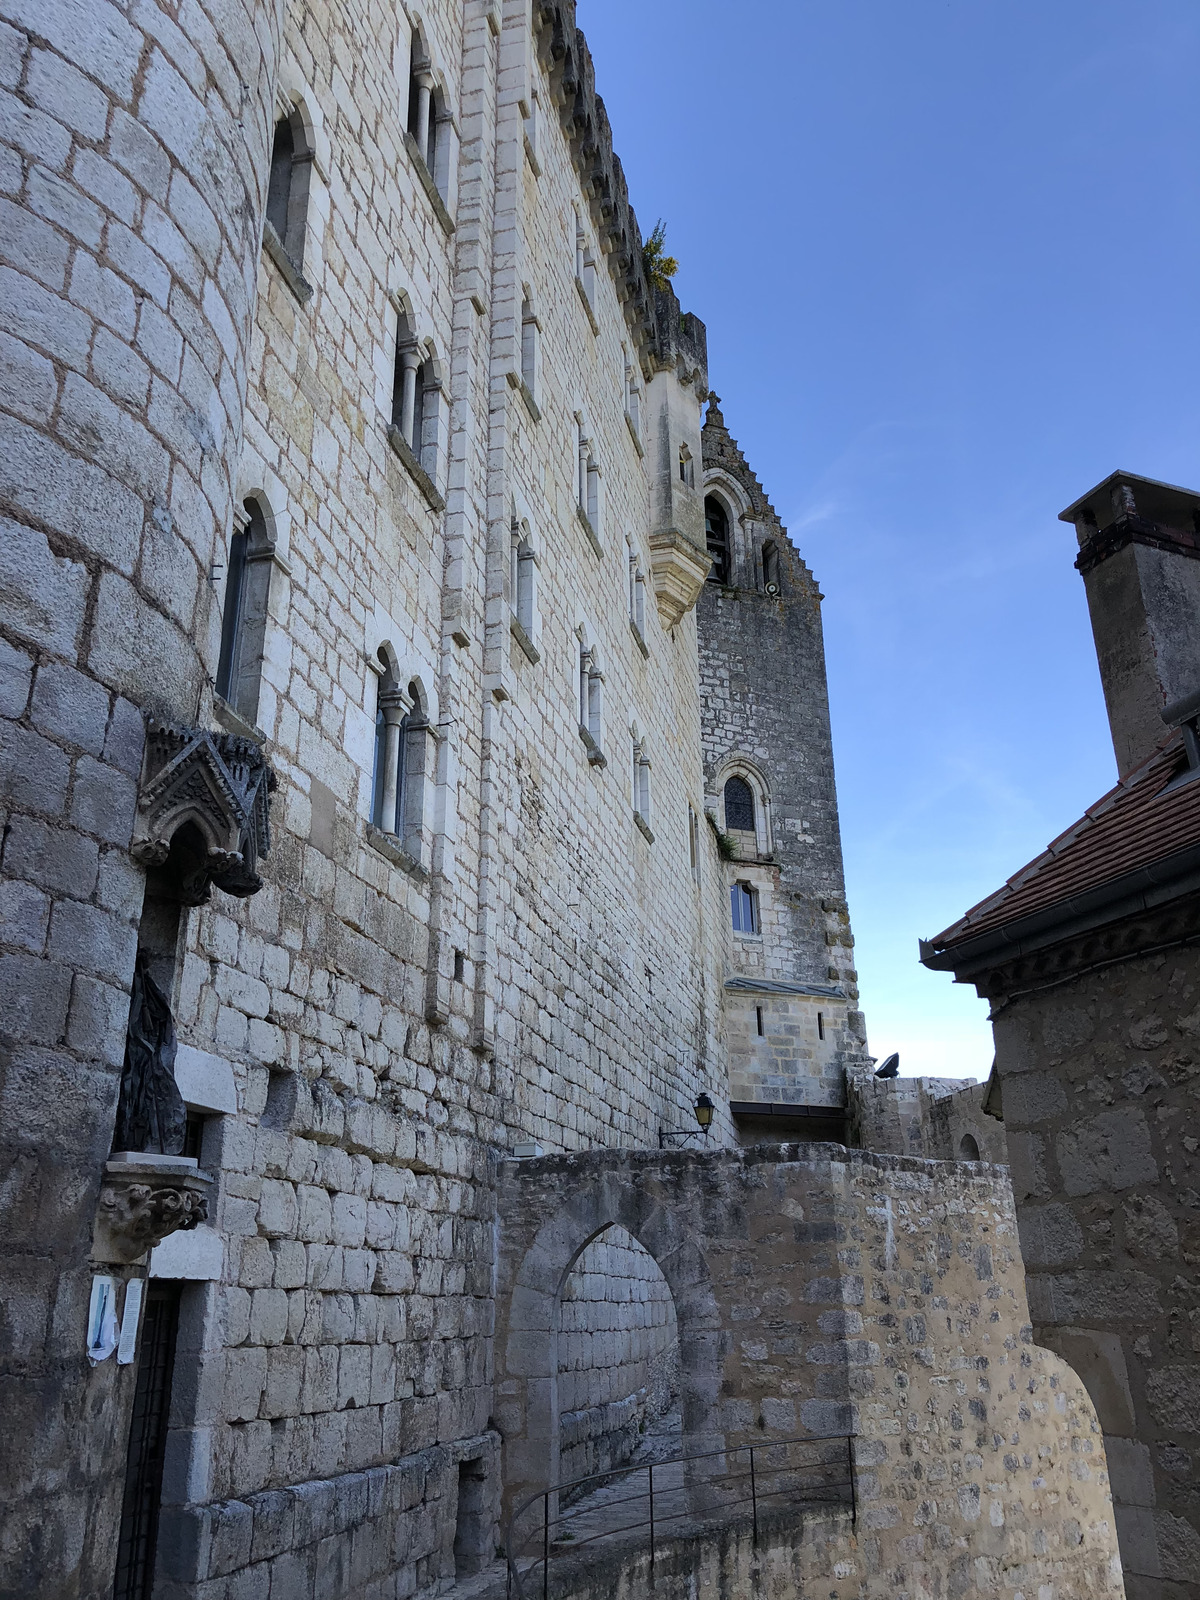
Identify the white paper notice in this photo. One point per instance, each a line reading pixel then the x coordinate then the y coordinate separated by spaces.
pixel 129 1322
pixel 102 1320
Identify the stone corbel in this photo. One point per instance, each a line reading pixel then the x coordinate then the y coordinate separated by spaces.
pixel 143 1198
pixel 679 569
pixel 215 788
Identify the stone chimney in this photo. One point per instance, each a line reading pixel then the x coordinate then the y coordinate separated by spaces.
pixel 1139 553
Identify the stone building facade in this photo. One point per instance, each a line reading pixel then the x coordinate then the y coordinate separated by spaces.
pixel 793 1026
pixel 360 728
pixel 1088 957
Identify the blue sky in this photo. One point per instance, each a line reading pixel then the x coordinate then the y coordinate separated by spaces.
pixel 947 255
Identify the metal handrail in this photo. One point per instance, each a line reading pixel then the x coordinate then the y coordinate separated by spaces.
pixel 656 1518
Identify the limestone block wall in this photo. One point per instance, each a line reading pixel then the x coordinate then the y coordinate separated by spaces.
pixel 133 143
pixel 831 1294
pixel 930 1117
pixel 786 1047
pixel 618 1354
pixel 1100 1079
pixel 527 962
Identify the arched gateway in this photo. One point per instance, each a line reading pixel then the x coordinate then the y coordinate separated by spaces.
pixel 551 1209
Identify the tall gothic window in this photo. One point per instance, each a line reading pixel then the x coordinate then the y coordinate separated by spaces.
pixel 739 805
pixel 716 531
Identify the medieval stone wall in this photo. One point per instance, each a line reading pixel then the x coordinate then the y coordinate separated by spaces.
pixel 1100 1081
pixel 829 1293
pixel 941 1119
pixel 132 164
pixel 766 718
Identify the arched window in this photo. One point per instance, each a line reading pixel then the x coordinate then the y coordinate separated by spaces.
pixel 422 105
pixel 287 187
pixel 716 532
pixel 588 484
pixel 770 562
pixel 591 701
pixel 416 399
pixel 401 761
pixel 968 1148
pixel 739 806
pixel 743 903
pixel 244 617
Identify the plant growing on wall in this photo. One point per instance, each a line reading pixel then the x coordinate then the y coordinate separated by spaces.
pixel 726 848
pixel 659 267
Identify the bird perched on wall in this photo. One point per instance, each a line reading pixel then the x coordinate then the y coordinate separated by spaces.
pixel 891 1067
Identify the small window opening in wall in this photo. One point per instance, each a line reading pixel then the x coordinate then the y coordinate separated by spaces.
pixel 585 265
pixel 820 1026
pixel 244 618
pixel 522 571
pixel 460 965
pixel 968 1148
pixel 743 901
pixel 422 105
pixel 533 132
pixel 759 1018
pixel 137 1538
pixel 633 396
pixel 770 561
pixel 287 187
pixel 193 1134
pixel 694 842
pixel 530 336
pixel 472 1527
pixel 687 475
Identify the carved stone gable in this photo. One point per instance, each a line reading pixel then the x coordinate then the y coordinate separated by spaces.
pixel 209 792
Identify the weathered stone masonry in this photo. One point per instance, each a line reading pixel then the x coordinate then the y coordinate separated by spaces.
pixel 429 878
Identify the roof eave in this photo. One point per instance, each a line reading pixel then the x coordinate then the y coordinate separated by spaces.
pixel 1141 890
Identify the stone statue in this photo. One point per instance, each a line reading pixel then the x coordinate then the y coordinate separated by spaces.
pixel 150 1113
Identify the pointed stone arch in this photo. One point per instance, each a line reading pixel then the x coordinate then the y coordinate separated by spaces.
pixel 539 1248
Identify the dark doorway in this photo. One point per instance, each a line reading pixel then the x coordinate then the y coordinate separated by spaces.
pixel 473 1529
pixel 147 1443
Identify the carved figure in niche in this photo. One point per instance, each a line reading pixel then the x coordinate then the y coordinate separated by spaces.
pixel 150 1113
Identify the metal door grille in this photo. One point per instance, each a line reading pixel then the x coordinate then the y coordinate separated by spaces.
pixel 147 1443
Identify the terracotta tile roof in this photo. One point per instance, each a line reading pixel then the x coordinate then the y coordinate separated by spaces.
pixel 1140 822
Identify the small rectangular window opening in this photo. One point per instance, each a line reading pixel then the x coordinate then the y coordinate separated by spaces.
pixel 743 902
pixel 820 1026
pixel 758 1017
pixel 460 964
pixel 193 1134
